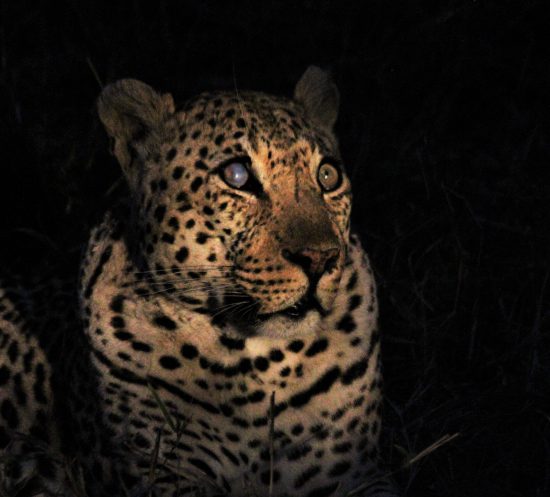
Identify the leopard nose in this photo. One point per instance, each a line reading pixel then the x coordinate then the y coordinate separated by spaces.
pixel 314 262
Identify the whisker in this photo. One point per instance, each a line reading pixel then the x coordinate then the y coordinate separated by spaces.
pixel 183 269
pixel 229 294
pixel 172 291
pixel 240 100
pixel 246 311
pixel 175 280
pixel 196 288
pixel 227 307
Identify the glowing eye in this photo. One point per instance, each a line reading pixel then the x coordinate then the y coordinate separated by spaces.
pixel 235 174
pixel 329 177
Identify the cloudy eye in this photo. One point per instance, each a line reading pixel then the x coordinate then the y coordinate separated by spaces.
pixel 329 177
pixel 235 174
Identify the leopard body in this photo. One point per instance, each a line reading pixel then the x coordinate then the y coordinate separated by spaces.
pixel 222 339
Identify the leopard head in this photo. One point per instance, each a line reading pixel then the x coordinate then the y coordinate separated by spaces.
pixel 242 197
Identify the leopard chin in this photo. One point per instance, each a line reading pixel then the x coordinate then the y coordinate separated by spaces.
pixel 280 325
pixel 246 318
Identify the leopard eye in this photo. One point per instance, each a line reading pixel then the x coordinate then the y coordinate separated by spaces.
pixel 329 177
pixel 235 174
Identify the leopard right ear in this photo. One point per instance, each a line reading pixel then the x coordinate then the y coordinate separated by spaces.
pixel 319 96
pixel 136 117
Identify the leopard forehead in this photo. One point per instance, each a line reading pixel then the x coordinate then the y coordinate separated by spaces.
pixel 223 117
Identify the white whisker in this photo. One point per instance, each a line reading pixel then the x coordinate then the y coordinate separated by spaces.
pixel 184 269
pixel 152 280
pixel 227 307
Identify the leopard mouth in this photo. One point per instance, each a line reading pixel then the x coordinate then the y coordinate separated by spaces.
pixel 299 309
pixel 247 321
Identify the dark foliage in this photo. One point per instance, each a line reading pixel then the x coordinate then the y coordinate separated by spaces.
pixel 445 131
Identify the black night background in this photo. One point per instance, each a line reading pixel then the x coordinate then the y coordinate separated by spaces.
pixel 444 127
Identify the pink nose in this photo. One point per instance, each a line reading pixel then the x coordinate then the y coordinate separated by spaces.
pixel 314 262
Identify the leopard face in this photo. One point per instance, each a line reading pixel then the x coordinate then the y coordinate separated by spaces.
pixel 243 203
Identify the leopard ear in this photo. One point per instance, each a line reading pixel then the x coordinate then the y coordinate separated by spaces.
pixel 136 117
pixel 318 94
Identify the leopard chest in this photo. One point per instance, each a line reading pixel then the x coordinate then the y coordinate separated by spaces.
pixel 237 412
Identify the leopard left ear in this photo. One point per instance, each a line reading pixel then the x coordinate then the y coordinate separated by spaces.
pixel 318 94
pixel 137 119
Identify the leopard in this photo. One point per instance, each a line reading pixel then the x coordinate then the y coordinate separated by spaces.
pixel 221 337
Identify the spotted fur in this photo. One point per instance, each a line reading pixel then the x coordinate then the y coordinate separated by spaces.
pixel 226 338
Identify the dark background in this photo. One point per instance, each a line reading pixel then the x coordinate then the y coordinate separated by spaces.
pixel 444 126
